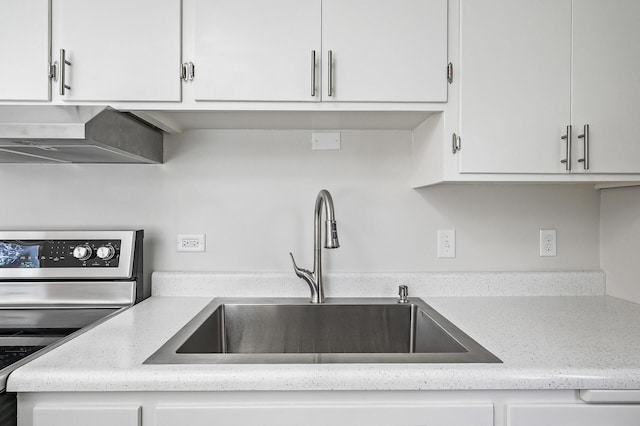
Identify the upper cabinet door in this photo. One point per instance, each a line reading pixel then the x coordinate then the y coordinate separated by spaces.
pixel 248 50
pixel 515 85
pixel 606 87
pixel 384 50
pixel 24 36
pixel 119 50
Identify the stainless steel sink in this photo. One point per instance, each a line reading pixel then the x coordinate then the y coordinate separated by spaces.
pixel 267 331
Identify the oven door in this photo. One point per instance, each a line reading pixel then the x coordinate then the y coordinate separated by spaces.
pixel 17 347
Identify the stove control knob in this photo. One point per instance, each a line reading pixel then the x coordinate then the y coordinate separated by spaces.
pixel 82 252
pixel 106 252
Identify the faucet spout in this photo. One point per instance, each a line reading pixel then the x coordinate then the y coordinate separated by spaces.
pixel 324 203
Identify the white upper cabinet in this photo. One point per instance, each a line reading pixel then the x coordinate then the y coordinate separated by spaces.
pixel 24 39
pixel 515 85
pixel 530 76
pixel 248 50
pixel 384 50
pixel 606 84
pixel 118 50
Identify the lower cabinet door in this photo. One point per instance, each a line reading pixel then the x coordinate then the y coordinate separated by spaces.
pixel 87 415
pixel 573 415
pixel 330 414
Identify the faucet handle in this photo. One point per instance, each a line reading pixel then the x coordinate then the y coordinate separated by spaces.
pixel 308 277
pixel 301 272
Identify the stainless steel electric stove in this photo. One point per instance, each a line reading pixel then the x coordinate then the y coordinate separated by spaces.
pixel 55 285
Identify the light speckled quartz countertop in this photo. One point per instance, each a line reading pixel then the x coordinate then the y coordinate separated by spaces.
pixel 545 342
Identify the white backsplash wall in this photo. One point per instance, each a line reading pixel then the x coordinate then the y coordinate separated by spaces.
pixel 252 193
pixel 620 241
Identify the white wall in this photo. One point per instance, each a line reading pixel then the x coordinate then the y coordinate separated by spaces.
pixel 253 193
pixel 620 241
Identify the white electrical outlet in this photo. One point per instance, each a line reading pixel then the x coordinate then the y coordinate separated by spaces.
pixel 547 242
pixel 446 243
pixel 191 242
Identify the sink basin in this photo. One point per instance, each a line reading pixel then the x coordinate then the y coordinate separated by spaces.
pixel 242 330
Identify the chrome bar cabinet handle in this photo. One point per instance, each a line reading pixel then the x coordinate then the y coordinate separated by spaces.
pixel 330 59
pixel 183 71
pixel 455 143
pixel 567 159
pixel 585 146
pixel 191 72
pixel 63 64
pixel 313 73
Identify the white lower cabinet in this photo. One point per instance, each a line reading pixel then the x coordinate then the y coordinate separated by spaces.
pixel 327 414
pixel 573 415
pixel 328 408
pixel 87 415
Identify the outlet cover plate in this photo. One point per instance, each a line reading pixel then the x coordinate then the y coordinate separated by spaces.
pixel 191 242
pixel 548 242
pixel 446 243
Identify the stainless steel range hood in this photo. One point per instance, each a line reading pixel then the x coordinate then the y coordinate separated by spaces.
pixel 75 134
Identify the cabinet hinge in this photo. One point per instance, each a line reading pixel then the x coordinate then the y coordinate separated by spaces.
pixel 456 144
pixel 53 74
pixel 187 72
pixel 450 73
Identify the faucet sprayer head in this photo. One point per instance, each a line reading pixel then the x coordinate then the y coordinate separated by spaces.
pixel 331 235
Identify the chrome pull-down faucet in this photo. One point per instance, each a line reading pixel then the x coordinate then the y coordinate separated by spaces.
pixel 314 278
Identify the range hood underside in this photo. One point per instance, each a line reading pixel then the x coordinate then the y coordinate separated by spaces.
pixel 65 154
pixel 57 134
